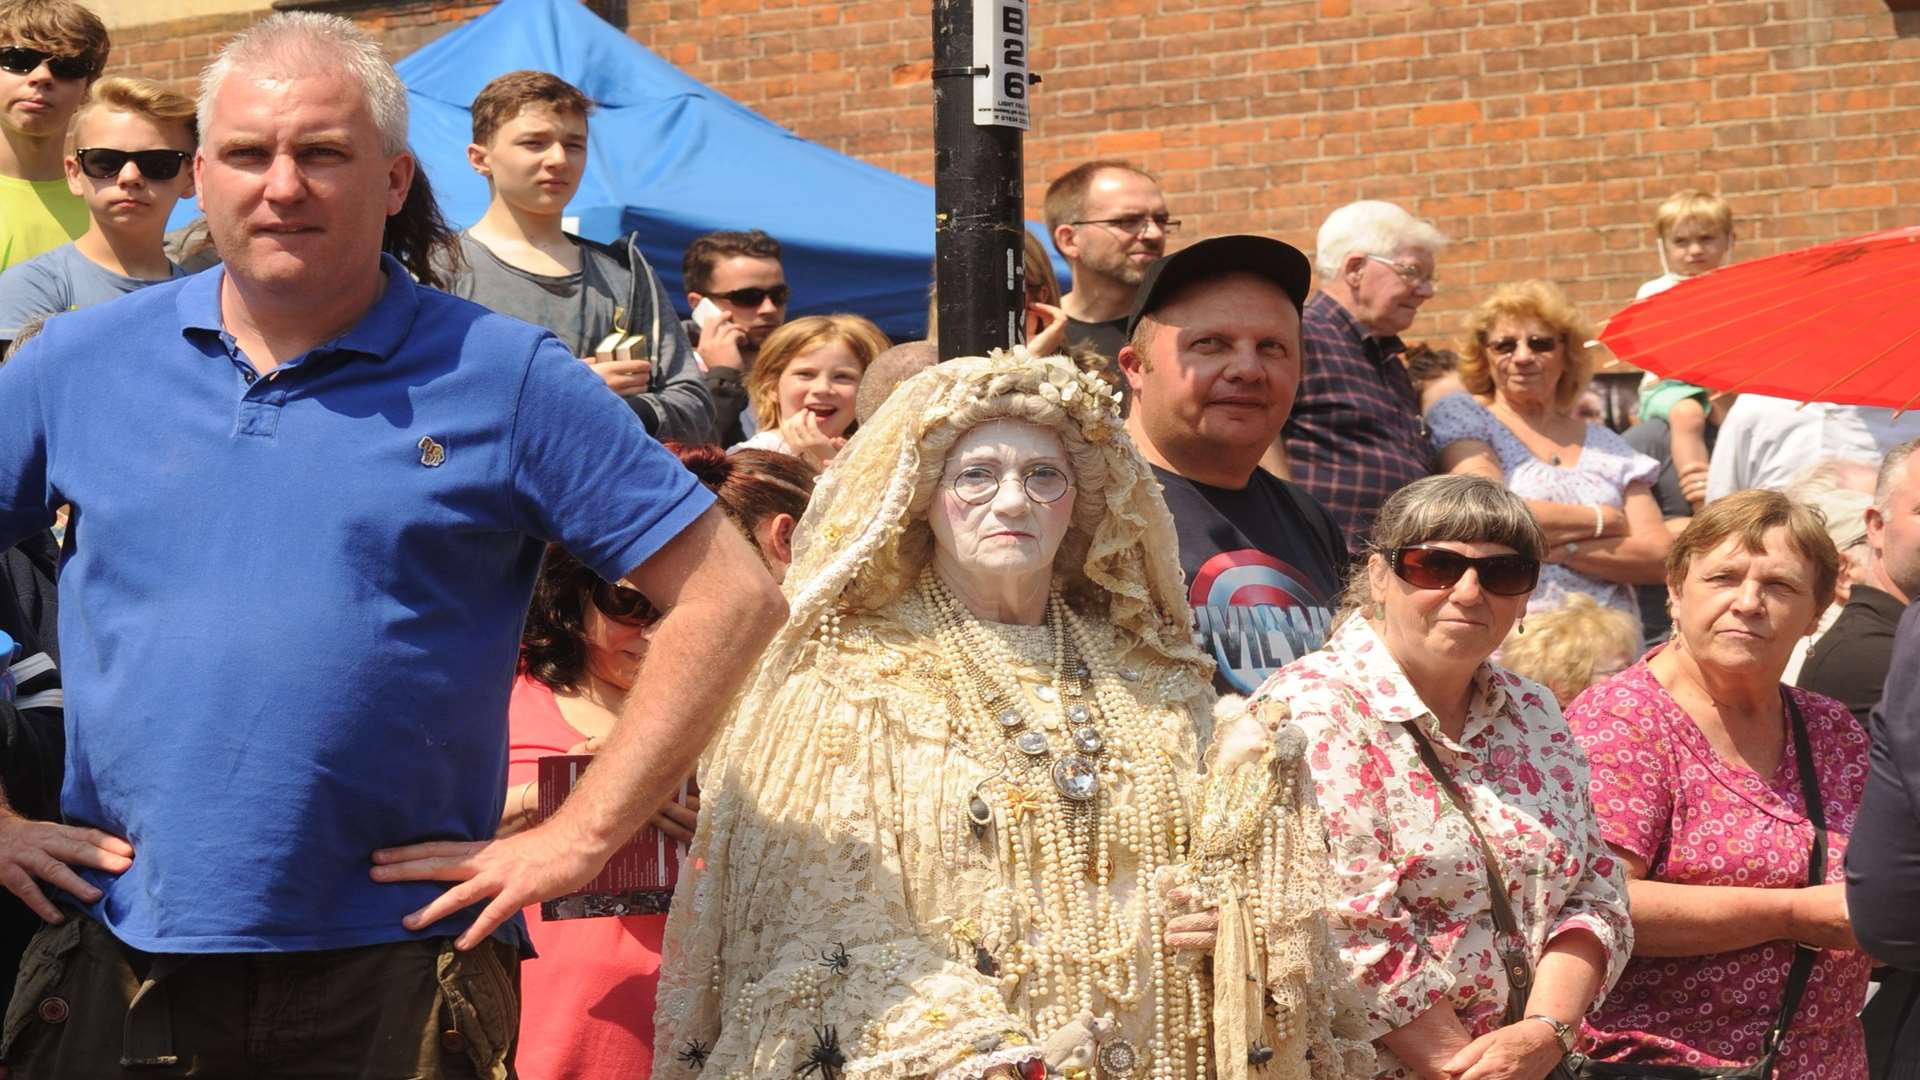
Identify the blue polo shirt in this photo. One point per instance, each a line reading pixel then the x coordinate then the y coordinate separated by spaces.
pixel 291 606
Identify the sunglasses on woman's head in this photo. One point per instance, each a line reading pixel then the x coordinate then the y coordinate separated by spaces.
pixel 1425 567
pixel 1537 343
pixel 102 163
pixel 624 603
pixel 20 60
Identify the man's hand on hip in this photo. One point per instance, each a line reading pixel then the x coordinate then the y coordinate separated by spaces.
pixel 44 851
pixel 538 864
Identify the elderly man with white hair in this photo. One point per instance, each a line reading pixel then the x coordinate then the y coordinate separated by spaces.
pixel 1355 435
pixel 303 541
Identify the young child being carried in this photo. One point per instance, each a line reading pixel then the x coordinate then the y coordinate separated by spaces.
pixel 1695 230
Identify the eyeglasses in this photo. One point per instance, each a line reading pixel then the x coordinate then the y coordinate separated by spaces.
pixel 1135 224
pixel 624 603
pixel 1536 344
pixel 976 485
pixel 1412 275
pixel 1425 567
pixel 752 298
pixel 102 163
pixel 20 60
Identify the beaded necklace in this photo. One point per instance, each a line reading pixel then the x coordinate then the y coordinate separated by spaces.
pixel 1073 947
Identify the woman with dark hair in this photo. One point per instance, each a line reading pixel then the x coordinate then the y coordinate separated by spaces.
pixel 419 236
pixel 587 1002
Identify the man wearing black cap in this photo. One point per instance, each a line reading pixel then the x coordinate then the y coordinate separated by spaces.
pixel 1213 360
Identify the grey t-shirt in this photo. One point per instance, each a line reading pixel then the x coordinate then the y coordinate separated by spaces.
pixel 582 309
pixel 56 281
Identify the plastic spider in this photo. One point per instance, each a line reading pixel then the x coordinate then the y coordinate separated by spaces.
pixel 836 959
pixel 694 1056
pixel 825 1059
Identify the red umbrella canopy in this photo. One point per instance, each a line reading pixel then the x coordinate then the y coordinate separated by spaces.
pixel 1838 322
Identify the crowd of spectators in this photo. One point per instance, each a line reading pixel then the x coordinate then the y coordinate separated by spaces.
pixel 393 511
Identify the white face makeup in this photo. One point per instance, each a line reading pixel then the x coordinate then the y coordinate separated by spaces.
pixel 1009 540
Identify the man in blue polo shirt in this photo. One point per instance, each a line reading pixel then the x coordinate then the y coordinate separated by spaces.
pixel 308 501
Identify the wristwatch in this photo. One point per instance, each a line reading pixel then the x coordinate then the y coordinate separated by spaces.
pixel 1563 1032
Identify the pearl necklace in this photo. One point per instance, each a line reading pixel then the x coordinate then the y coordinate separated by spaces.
pixel 1075 948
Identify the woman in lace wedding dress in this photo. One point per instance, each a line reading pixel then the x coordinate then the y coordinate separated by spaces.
pixel 939 833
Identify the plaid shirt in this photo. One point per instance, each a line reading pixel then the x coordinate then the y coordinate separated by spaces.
pixel 1355 436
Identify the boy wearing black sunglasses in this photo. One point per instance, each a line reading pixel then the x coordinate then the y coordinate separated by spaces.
pixel 50 51
pixel 131 162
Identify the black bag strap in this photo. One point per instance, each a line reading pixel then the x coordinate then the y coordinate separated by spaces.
pixel 1803 956
pixel 1513 949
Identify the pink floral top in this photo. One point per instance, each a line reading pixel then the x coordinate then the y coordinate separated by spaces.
pixel 1411 915
pixel 1665 795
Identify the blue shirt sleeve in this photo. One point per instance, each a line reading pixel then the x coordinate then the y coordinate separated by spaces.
pixel 24 495
pixel 586 474
pixel 28 290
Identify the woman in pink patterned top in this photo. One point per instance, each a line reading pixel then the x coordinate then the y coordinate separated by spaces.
pixel 1698 790
pixel 1452 562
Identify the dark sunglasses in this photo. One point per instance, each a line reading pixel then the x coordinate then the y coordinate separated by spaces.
pixel 20 60
pixel 104 164
pixel 1538 343
pixel 624 604
pixel 1437 568
pixel 751 298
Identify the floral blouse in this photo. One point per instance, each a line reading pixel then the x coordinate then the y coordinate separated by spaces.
pixel 1411 915
pixel 1664 794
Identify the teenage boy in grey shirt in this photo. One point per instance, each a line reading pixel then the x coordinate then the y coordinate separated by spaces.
pixel 603 301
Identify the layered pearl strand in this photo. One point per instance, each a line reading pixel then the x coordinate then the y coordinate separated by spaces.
pixel 1075 947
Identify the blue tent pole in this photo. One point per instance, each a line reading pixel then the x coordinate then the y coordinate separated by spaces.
pixel 980 87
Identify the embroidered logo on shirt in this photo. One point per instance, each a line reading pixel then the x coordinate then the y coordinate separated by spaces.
pixel 432 454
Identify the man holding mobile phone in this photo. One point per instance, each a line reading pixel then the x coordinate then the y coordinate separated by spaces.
pixel 603 301
pixel 738 292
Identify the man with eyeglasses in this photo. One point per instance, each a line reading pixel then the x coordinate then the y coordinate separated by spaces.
pixel 738 292
pixel 1109 220
pixel 133 140
pixel 50 52
pixel 1355 436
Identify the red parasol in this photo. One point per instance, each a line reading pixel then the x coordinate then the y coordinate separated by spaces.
pixel 1838 322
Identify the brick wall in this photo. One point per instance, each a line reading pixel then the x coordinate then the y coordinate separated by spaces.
pixel 175 51
pixel 1539 134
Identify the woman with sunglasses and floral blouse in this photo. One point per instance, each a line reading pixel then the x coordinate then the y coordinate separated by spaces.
pixel 587 1001
pixel 1524 362
pixel 1419 747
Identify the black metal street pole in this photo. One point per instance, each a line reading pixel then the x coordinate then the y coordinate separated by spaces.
pixel 980 85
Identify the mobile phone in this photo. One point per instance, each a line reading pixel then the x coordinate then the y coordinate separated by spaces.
pixel 706 313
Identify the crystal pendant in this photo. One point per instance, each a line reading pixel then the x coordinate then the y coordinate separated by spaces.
pixel 1076 777
pixel 1118 1057
pixel 1010 718
pixel 1032 743
pixel 1089 740
pixel 1046 693
pixel 1078 714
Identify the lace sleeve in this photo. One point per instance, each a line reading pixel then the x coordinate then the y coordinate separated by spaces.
pixel 1259 855
pixel 793 943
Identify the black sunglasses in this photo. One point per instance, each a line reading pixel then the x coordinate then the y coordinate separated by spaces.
pixel 20 60
pixel 622 603
pixel 102 163
pixel 1538 343
pixel 1426 567
pixel 752 298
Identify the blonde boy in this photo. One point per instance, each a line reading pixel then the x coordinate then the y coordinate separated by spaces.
pixel 1695 235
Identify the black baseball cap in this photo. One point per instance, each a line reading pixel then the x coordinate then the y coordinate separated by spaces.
pixel 1277 261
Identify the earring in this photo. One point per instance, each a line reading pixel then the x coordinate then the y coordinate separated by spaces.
pixel 1522 628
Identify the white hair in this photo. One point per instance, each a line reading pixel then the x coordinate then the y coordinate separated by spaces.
pixel 1841 489
pixel 1893 469
pixel 1371 227
pixel 307 42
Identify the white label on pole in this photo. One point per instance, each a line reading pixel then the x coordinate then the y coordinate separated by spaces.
pixel 1000 51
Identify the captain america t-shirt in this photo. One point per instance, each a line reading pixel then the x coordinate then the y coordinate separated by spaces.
pixel 1264 566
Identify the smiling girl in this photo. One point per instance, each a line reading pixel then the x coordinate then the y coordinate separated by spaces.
pixel 804 381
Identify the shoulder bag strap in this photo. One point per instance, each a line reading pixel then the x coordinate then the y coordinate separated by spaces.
pixel 1803 957
pixel 1513 955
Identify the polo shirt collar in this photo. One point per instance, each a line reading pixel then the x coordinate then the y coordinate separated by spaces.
pixel 376 336
pixel 1378 347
